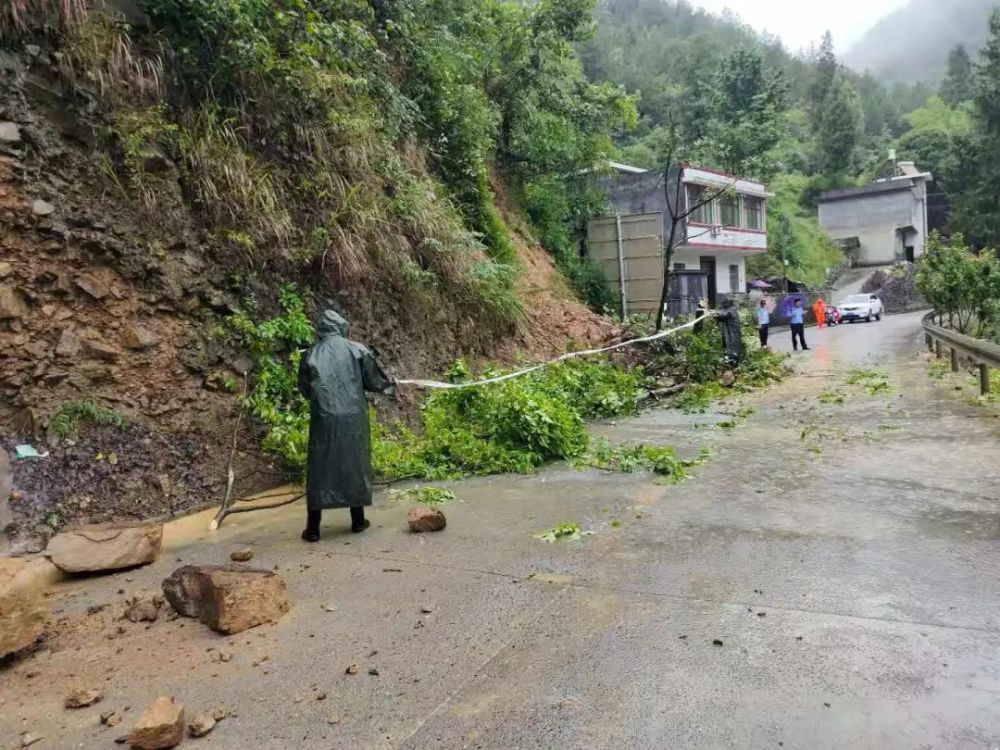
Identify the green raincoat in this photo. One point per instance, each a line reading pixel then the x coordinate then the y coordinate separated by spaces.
pixel 728 319
pixel 334 376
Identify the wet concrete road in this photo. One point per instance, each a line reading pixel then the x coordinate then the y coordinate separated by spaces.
pixel 844 553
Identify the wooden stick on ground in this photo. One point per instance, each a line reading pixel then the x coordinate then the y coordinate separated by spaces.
pixel 230 472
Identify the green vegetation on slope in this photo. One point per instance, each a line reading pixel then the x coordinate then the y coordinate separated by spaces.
pixel 351 142
pixel 67 422
pixel 972 178
pixel 794 235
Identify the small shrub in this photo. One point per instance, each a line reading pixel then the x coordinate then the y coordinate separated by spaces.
pixel 993 397
pixel 699 357
pixel 277 346
pixel 67 422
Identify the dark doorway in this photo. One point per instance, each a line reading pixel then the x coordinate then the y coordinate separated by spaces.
pixel 910 255
pixel 708 266
pixel 687 288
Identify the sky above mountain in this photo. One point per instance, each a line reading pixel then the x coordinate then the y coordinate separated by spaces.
pixel 800 24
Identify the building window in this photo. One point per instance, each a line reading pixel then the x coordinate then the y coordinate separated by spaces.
pixel 753 208
pixel 734 278
pixel 703 214
pixel 679 267
pixel 729 210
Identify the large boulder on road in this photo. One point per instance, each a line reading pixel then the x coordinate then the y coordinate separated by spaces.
pixel 227 598
pixel 92 549
pixel 22 605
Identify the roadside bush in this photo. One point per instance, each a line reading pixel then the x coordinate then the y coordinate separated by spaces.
pixel 961 285
pixel 276 346
pixel 699 357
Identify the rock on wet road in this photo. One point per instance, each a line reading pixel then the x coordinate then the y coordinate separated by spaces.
pixel 864 525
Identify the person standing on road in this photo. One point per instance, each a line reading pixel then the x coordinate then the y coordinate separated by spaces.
pixel 819 308
pixel 334 375
pixel 763 322
pixel 728 318
pixel 798 326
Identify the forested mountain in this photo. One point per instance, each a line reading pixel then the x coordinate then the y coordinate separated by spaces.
pixel 668 50
pixel 714 90
pixel 912 43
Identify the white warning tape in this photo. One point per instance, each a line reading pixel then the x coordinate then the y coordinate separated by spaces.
pixel 437 384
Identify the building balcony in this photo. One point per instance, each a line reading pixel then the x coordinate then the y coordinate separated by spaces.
pixel 723 238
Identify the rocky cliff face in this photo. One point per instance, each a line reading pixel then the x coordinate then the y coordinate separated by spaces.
pixel 100 302
pixel 115 300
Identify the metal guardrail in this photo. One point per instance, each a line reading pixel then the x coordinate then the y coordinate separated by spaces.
pixel 984 353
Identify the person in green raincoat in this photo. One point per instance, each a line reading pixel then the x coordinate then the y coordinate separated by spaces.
pixel 728 318
pixel 334 375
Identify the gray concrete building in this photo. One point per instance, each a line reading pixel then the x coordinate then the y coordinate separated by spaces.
pixel 881 223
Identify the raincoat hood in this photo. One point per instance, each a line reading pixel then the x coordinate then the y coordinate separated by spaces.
pixel 331 324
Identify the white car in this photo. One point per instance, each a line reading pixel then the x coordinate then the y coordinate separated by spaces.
pixel 860 307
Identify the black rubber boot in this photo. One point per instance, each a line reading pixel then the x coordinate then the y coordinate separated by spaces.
pixel 311 532
pixel 358 521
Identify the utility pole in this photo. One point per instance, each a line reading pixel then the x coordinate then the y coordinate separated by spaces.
pixel 786 232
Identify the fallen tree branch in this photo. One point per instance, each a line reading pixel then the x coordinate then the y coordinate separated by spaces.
pixel 661 392
pixel 230 472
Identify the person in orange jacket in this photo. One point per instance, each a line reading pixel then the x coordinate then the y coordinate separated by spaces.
pixel 819 309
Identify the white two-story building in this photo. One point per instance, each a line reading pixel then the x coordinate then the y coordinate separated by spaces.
pixel 728 224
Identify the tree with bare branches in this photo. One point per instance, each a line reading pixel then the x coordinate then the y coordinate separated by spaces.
pixel 679 209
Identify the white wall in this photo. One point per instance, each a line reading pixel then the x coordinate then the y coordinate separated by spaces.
pixel 874 220
pixel 691 258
